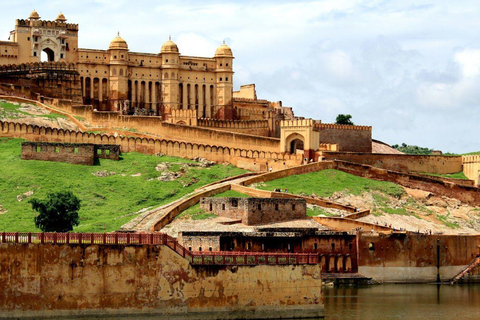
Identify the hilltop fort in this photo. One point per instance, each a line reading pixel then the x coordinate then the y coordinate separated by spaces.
pixel 186 106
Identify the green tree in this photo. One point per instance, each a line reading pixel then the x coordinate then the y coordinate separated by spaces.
pixel 344 119
pixel 57 213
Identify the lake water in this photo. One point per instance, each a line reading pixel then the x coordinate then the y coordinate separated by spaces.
pixel 388 302
pixel 396 301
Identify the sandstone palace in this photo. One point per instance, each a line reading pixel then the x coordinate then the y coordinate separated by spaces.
pixel 184 90
pixel 180 105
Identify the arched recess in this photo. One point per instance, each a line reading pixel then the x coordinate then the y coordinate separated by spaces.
pixel 294 142
pixel 47 55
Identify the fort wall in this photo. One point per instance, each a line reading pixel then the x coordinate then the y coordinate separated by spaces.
pixel 467 194
pixel 401 257
pixel 235 156
pixel 401 162
pixel 471 168
pixel 111 281
pixel 351 138
pixel 313 167
pixel 251 127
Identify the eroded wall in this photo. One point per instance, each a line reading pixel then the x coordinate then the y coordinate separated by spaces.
pixel 84 280
pixel 401 257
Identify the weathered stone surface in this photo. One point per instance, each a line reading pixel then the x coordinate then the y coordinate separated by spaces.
pixel 79 280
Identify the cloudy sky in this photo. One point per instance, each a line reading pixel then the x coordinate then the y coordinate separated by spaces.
pixel 410 69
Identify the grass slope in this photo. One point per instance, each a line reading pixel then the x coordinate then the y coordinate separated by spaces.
pixel 326 182
pixel 107 202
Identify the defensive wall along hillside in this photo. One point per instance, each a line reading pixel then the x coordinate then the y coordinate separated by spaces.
pixel 112 280
pixel 401 162
pixel 250 159
pixel 155 125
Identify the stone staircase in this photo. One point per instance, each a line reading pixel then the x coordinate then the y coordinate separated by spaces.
pixel 474 264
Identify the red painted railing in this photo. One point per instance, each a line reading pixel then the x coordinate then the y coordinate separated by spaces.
pixel 195 258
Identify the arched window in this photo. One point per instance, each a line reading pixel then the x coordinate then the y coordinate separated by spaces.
pixel 114 72
pixel 121 72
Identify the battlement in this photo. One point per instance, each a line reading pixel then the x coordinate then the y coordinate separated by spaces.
pixel 325 126
pixel 298 123
pixel 474 158
pixel 248 100
pixel 234 124
pixel 46 23
pixel 37 66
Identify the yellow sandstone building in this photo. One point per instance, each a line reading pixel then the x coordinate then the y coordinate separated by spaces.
pixel 147 91
pixel 155 84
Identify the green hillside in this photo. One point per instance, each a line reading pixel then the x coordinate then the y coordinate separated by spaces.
pixel 109 199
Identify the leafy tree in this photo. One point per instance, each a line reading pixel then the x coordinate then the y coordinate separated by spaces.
pixel 57 213
pixel 344 119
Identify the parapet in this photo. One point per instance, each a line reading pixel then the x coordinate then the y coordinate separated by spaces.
pixel 475 158
pixel 325 126
pixel 46 23
pixel 298 123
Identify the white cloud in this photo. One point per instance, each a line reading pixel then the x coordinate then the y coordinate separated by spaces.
pixel 409 68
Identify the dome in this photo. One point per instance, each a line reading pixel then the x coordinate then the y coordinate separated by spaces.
pixel 169 47
pixel 118 43
pixel 34 15
pixel 61 17
pixel 223 51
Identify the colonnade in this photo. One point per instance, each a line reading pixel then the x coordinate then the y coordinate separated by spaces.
pixel 147 96
pixel 95 91
pixel 200 97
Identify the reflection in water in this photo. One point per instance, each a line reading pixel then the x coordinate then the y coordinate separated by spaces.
pixel 411 302
pixel 395 301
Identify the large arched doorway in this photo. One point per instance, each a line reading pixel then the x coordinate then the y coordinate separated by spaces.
pixel 295 145
pixel 47 55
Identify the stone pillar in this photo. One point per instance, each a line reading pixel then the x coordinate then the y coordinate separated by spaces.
pixel 207 101
pixel 185 96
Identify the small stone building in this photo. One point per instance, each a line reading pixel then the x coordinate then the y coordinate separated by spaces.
pixel 254 211
pixel 75 153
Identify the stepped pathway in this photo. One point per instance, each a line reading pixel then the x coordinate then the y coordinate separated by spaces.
pixel 146 221
pixel 475 263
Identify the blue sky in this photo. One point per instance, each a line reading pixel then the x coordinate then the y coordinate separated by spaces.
pixel 410 69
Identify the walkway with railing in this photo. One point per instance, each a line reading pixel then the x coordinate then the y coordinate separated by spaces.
pixel 195 258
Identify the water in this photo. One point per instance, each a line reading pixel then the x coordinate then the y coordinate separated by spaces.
pixel 388 302
pixel 393 302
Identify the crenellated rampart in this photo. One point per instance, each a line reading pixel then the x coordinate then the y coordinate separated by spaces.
pixel 471 167
pixel 298 123
pixel 236 156
pixel 252 127
pixel 326 126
